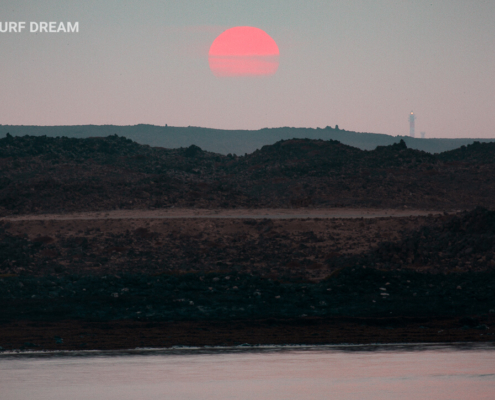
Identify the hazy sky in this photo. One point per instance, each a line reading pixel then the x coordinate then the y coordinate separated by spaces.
pixel 363 65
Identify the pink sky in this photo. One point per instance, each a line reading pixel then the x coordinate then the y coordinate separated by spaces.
pixel 363 65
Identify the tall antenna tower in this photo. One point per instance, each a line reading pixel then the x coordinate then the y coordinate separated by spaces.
pixel 412 117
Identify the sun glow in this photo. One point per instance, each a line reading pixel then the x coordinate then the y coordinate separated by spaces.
pixel 243 51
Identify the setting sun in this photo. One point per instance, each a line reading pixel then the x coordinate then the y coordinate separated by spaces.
pixel 243 51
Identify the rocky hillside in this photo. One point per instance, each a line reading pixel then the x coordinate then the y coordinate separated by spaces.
pixel 462 243
pixel 40 174
pixel 307 250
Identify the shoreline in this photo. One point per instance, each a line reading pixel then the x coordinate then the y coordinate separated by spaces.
pixel 72 335
pixel 247 348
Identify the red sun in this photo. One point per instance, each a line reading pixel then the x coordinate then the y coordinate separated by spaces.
pixel 243 51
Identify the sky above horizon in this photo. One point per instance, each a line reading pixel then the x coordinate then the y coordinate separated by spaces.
pixel 362 65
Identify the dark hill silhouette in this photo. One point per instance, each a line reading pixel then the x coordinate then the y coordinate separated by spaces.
pixel 475 152
pixel 300 157
pixel 42 174
pixel 232 141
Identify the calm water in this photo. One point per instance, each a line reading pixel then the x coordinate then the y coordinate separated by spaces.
pixel 386 372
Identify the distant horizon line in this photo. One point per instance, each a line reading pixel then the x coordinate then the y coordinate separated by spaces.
pixel 328 127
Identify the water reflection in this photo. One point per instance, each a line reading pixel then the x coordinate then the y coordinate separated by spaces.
pixel 324 372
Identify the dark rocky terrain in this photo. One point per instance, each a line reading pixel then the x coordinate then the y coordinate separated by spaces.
pixel 308 249
pixel 40 174
pixel 465 242
pixel 355 292
pixel 277 249
pixel 214 281
pixel 403 285
pixel 356 305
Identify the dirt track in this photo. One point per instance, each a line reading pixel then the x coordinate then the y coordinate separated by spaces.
pixel 278 213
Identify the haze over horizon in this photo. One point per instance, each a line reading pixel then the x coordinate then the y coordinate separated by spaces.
pixel 361 65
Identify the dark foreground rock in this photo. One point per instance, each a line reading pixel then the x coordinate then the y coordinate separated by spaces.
pixel 368 297
pixel 359 305
pixel 356 292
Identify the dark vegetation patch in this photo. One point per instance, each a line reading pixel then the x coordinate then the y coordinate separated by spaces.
pixel 355 292
pixel 42 174
pixel 16 252
pixel 465 242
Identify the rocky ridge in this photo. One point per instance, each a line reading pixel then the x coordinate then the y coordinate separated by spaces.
pixel 40 174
